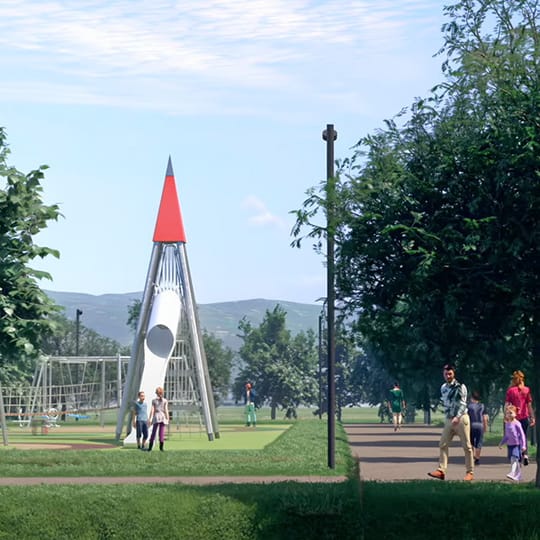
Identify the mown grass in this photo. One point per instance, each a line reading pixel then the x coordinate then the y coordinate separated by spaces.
pixel 286 510
pixel 299 451
pixel 450 511
pixel 226 512
pixel 232 437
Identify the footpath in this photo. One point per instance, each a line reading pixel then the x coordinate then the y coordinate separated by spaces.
pixel 383 455
pixel 413 451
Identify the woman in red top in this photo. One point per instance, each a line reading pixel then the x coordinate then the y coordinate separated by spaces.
pixel 519 395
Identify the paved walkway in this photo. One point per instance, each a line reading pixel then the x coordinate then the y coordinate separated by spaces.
pixel 384 455
pixel 413 451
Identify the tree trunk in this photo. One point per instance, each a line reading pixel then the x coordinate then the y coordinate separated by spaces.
pixel 273 409
pixel 427 406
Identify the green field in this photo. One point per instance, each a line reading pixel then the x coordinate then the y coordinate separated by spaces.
pixel 344 510
pixel 99 429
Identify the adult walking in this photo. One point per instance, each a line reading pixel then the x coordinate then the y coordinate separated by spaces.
pixel 159 418
pixel 520 397
pixel 457 422
pixel 396 405
pixel 249 399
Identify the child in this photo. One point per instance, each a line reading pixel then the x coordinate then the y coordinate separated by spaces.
pixel 479 424
pixel 514 437
pixel 140 419
pixel 159 418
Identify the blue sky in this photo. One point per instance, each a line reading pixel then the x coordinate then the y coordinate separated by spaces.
pixel 237 92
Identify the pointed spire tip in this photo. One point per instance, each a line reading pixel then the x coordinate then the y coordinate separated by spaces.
pixel 169 168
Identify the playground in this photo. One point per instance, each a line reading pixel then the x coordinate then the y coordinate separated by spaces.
pixel 78 436
pixel 382 454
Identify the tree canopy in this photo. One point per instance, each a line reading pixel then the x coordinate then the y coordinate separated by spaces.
pixel 438 214
pixel 24 308
pixel 61 341
pixel 220 361
pixel 282 367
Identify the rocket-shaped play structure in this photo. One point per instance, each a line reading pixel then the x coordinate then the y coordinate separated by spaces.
pixel 168 342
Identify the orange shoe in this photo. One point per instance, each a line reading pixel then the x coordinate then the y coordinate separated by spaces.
pixel 469 477
pixel 436 474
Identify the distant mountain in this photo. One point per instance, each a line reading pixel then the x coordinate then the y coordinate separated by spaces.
pixel 107 314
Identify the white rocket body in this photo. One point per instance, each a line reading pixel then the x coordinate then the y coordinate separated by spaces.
pixel 168 296
pixel 158 345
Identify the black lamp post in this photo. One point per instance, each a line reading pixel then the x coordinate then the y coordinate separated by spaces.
pixel 78 314
pixel 330 135
pixel 321 318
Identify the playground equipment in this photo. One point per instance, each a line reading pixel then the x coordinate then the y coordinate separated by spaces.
pixel 67 386
pixel 167 351
pixel 73 388
pixel 168 337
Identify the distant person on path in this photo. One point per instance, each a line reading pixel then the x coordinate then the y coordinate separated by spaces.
pixel 479 425
pixel 384 413
pixel 250 397
pixel 519 396
pixel 159 418
pixel 514 438
pixel 396 405
pixel 457 422
pixel 140 420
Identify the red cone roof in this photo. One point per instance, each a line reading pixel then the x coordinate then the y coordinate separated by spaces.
pixel 169 224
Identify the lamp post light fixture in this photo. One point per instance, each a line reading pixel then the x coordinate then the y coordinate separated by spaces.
pixel 330 135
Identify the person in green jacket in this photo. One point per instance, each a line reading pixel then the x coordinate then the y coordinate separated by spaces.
pixel 396 405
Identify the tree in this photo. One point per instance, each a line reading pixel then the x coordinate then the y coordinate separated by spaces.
pixel 61 341
pixel 283 368
pixel 24 307
pixel 134 312
pixel 220 361
pixel 439 237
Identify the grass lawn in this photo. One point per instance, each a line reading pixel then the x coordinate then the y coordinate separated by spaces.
pixel 292 449
pixel 421 510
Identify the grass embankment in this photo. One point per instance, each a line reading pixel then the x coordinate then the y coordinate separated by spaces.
pixel 225 512
pixel 284 510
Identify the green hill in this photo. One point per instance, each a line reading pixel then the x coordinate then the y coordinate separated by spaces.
pixel 107 314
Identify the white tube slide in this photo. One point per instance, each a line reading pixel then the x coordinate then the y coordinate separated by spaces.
pixel 159 345
pixel 163 323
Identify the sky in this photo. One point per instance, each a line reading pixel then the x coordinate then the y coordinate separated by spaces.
pixel 236 92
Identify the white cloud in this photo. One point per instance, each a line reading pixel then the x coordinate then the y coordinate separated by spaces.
pixel 260 215
pixel 139 49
